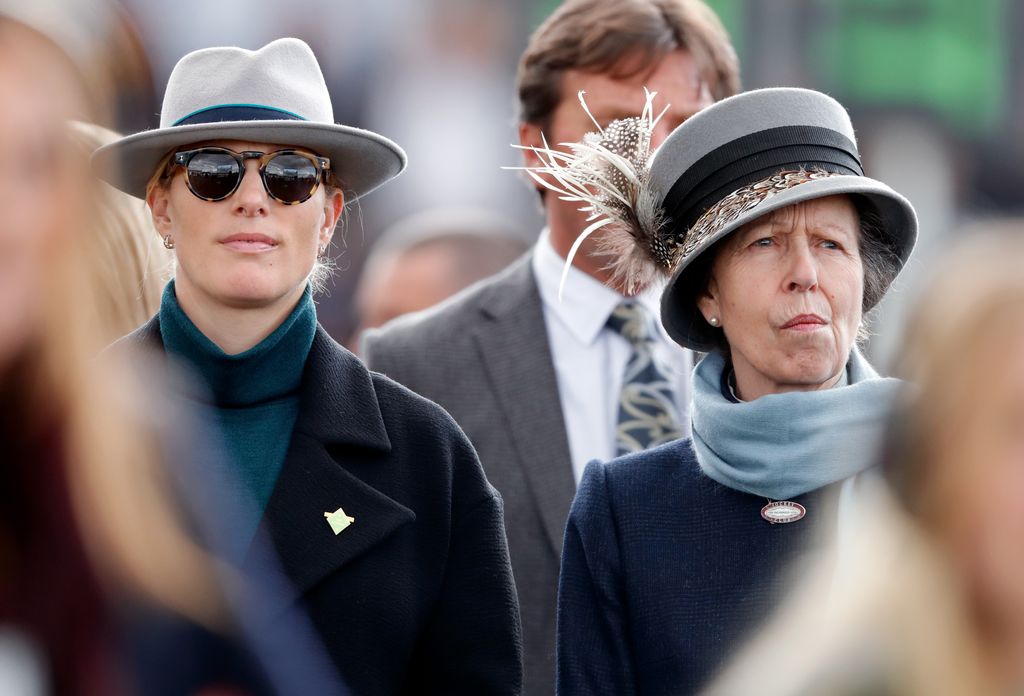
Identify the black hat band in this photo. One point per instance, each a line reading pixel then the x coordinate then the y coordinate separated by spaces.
pixel 751 158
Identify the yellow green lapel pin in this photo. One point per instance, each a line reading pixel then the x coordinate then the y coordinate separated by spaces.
pixel 338 520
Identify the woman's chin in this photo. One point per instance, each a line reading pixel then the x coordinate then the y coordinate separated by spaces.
pixel 814 373
pixel 254 292
pixel 809 368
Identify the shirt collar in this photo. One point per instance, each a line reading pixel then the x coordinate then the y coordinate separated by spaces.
pixel 586 302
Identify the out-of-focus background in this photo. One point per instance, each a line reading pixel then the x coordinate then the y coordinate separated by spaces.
pixel 935 88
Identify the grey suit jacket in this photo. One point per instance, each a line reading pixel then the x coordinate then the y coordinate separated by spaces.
pixel 484 356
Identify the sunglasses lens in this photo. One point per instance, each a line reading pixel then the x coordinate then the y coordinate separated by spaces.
pixel 213 175
pixel 290 178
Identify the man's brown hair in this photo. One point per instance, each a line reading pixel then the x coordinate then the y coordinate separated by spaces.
pixel 597 35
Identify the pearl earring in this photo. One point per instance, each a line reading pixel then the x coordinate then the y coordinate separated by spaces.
pixel 168 241
pixel 714 322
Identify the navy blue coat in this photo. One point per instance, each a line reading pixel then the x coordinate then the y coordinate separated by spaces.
pixel 665 572
pixel 416 596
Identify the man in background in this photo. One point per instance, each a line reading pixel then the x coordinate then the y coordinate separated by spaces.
pixel 539 384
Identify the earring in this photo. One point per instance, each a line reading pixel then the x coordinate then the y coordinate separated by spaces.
pixel 714 322
pixel 321 250
pixel 168 241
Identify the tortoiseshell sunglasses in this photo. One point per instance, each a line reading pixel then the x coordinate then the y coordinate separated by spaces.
pixel 289 176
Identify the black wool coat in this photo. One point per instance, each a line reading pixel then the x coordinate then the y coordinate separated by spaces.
pixel 416 596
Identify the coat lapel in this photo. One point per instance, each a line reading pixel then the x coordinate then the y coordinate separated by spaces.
pixel 515 352
pixel 339 418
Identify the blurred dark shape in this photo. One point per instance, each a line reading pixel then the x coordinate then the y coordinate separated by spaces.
pixel 428 257
pixel 924 593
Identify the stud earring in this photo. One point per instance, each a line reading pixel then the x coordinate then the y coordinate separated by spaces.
pixel 714 322
pixel 168 241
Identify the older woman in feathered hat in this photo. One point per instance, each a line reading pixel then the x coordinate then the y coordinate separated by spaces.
pixel 775 244
pixel 372 497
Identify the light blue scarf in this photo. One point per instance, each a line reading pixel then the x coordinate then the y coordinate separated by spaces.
pixel 783 445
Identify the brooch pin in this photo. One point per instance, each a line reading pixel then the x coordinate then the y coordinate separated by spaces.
pixel 783 512
pixel 339 521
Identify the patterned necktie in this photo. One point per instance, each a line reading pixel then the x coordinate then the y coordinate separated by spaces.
pixel 646 415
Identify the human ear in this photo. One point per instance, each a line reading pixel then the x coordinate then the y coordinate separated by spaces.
pixel 531 136
pixel 334 204
pixel 158 200
pixel 708 303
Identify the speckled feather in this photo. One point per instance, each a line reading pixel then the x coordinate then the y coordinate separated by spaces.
pixel 609 173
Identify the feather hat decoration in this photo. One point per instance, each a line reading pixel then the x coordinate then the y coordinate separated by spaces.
pixel 609 173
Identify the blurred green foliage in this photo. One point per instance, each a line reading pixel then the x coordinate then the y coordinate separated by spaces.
pixel 952 57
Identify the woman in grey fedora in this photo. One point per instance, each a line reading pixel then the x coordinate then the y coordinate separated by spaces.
pixel 373 499
pixel 775 244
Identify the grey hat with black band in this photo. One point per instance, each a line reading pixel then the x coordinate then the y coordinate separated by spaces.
pixel 749 155
pixel 274 95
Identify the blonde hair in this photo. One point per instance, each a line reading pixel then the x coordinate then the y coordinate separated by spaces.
pixel 956 340
pixel 133 533
pixel 128 263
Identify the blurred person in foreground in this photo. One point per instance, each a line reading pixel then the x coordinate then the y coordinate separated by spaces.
pixel 50 596
pixel 428 257
pixel 925 592
pixel 540 385
pixel 371 496
pixel 776 243
pixel 94 553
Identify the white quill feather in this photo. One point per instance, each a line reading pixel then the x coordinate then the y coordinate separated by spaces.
pixel 608 173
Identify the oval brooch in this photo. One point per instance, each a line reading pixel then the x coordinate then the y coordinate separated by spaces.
pixel 783 512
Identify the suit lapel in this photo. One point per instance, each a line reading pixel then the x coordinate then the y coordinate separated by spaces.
pixel 339 418
pixel 514 349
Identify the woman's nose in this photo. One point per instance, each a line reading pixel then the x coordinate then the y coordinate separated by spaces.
pixel 251 198
pixel 803 268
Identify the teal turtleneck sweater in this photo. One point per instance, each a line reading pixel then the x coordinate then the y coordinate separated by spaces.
pixel 255 396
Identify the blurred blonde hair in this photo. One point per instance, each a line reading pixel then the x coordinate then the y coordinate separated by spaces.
pixel 892 611
pixel 956 340
pixel 120 493
pixel 128 263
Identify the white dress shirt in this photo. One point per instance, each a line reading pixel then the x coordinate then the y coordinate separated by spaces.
pixel 590 359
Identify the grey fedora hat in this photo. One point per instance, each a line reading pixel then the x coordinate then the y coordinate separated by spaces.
pixel 749 155
pixel 274 95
